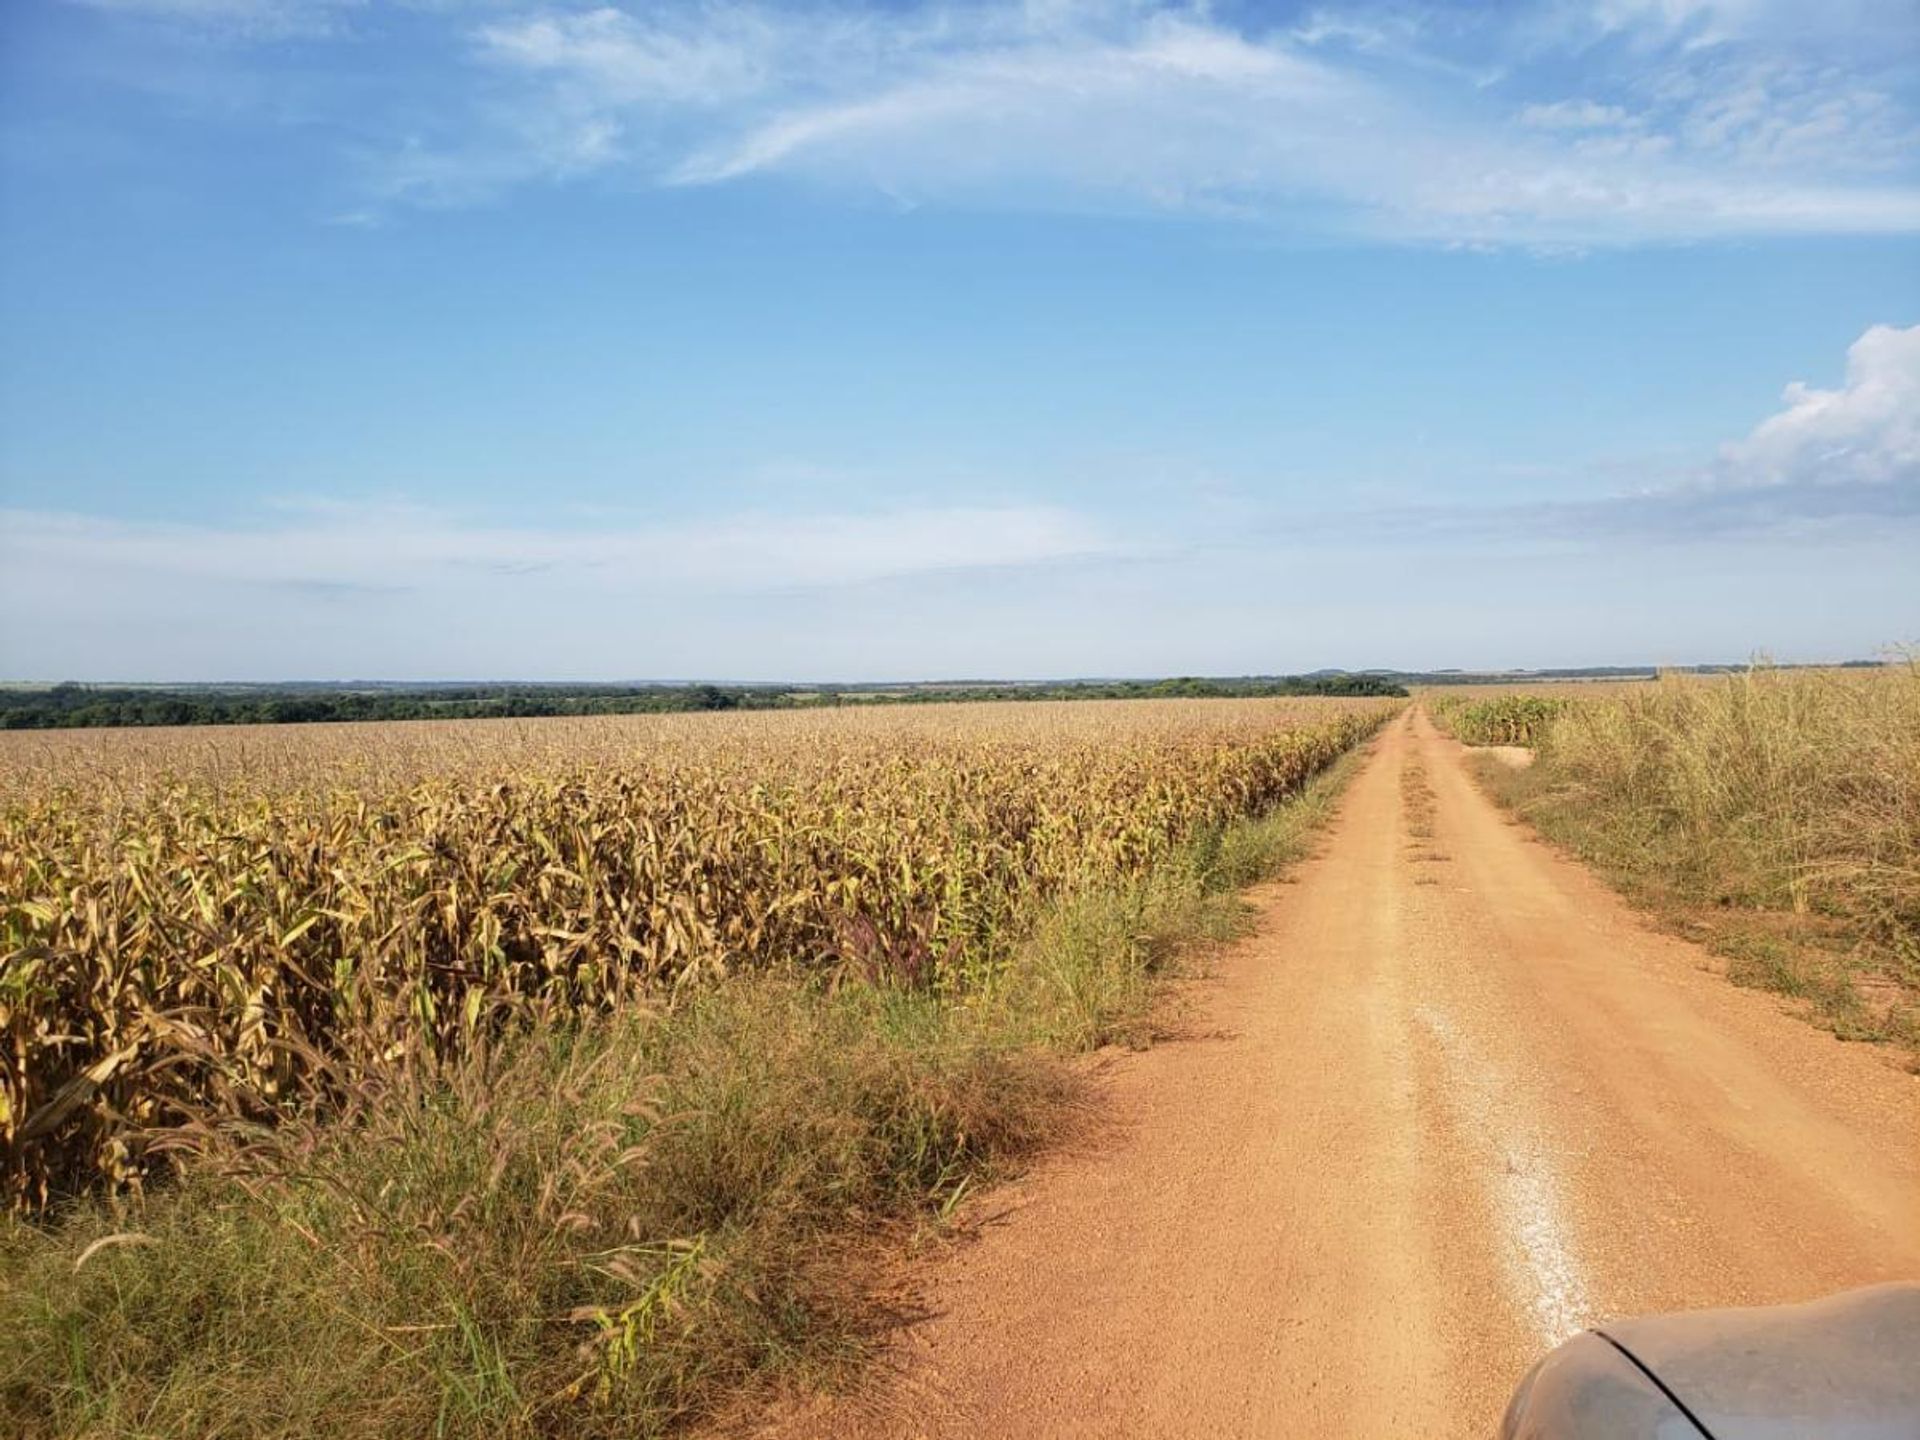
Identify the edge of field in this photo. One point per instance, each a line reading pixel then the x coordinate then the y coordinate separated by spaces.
pixel 305 1281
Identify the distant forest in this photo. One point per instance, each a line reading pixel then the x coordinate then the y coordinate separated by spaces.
pixel 72 705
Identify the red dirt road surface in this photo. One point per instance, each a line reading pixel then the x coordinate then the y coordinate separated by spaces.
pixel 1449 1104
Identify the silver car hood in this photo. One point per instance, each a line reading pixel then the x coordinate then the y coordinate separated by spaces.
pixel 1844 1368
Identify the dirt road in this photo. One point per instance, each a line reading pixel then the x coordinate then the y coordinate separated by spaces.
pixel 1448 1105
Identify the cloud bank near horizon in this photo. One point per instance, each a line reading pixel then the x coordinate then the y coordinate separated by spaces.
pixel 393 589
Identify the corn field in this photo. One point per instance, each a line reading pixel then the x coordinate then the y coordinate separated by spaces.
pixel 201 922
pixel 1508 718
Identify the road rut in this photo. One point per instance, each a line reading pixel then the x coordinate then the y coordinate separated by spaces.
pixel 1450 1103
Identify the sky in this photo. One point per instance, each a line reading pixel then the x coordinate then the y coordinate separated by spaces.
pixel 436 339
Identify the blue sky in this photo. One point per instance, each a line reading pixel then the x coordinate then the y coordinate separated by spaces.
pixel 500 338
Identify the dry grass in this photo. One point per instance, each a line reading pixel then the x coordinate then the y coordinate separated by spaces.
pixel 1416 800
pixel 595 1228
pixel 1417 812
pixel 1776 814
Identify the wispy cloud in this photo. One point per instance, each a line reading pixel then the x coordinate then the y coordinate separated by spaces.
pixel 1804 512
pixel 1170 109
pixel 382 547
pixel 242 19
pixel 318 587
pixel 1576 115
pixel 1558 124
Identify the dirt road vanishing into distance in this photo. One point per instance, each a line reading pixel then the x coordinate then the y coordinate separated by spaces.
pixel 1450 1103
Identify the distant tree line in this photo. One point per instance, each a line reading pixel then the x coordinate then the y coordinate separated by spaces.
pixel 1186 687
pixel 71 705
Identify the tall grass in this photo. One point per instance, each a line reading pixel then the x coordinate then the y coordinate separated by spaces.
pixel 604 1226
pixel 1779 795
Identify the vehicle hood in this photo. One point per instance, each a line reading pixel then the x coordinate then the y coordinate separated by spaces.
pixel 1844 1368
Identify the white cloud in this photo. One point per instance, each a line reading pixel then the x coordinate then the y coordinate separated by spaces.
pixel 1699 22
pixel 1166 116
pixel 1775 115
pixel 1699 25
pixel 693 56
pixel 1378 31
pixel 1867 432
pixel 1575 115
